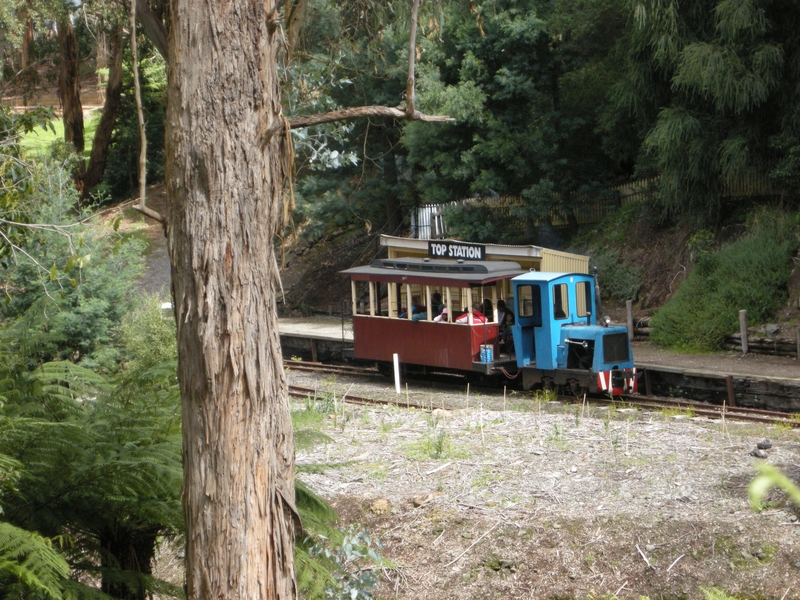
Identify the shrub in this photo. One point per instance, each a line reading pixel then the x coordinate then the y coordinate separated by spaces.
pixel 617 280
pixel 751 274
pixel 72 281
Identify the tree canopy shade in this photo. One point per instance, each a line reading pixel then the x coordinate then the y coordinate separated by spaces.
pixel 713 84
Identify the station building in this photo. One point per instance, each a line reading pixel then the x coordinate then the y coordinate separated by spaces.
pixel 527 257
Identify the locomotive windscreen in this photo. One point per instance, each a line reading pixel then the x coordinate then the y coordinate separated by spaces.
pixel 615 348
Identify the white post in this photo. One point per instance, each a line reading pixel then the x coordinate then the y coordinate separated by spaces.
pixel 372 285
pixel 353 293
pixel 743 330
pixel 410 308
pixel 396 372
pixel 449 306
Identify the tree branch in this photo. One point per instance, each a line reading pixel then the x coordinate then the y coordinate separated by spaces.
pixel 349 114
pixel 140 114
pixel 152 26
pixel 408 113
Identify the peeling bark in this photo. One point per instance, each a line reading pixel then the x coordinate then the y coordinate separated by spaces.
pixel 224 207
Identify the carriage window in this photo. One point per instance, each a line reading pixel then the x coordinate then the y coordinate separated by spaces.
pixel 360 297
pixel 583 295
pixel 560 301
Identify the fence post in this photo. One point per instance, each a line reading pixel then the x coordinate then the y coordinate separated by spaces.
pixel 629 308
pixel 731 393
pixel 743 329
pixel 797 336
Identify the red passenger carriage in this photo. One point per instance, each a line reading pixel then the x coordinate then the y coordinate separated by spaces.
pixel 394 308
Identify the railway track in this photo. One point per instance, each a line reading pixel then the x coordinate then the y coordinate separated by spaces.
pixel 713 411
pixel 316 367
pixel 700 409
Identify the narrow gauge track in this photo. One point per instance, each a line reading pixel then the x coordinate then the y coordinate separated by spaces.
pixel 316 367
pixel 714 411
pixel 752 415
pixel 296 391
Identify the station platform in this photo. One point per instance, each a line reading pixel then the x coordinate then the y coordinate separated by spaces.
pixel 319 338
pixel 330 329
pixel 753 380
pixel 720 363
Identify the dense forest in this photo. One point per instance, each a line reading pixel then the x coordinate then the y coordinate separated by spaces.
pixel 555 104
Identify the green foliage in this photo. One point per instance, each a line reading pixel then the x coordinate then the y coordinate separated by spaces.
pixel 523 80
pixel 478 223
pixel 38 142
pixel 751 274
pixel 29 564
pixel 147 334
pixel 617 279
pixel 104 476
pixel 708 98
pixel 120 178
pixel 346 562
pixel 771 477
pixel 66 285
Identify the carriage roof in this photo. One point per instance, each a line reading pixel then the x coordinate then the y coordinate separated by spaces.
pixel 429 271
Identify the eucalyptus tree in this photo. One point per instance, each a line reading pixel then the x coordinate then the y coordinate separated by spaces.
pixel 227 157
pixel 712 85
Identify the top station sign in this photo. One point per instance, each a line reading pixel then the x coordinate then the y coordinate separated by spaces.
pixel 456 250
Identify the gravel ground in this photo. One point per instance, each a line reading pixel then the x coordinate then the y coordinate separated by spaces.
pixel 533 499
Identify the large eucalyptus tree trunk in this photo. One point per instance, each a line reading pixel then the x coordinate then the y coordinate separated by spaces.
pixel 224 205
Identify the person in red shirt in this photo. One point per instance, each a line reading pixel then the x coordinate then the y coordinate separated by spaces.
pixel 477 315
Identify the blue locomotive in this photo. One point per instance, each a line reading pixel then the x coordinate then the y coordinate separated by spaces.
pixel 558 342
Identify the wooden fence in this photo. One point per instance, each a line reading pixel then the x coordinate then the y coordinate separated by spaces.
pixel 582 209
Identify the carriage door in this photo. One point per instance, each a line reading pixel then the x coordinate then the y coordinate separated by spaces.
pixel 529 318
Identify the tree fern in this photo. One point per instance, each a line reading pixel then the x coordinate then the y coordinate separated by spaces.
pixel 29 562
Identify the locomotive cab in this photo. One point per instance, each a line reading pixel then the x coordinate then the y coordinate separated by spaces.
pixel 557 339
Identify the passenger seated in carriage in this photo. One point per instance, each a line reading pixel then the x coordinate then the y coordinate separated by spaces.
pixel 506 338
pixel 416 309
pixel 477 315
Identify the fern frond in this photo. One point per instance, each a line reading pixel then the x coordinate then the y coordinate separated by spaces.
pixel 313 573
pixel 31 560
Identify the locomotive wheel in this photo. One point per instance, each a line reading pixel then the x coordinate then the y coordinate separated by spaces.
pixel 576 389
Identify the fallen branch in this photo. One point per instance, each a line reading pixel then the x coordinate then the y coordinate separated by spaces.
pixel 676 562
pixel 473 544
pixel 645 558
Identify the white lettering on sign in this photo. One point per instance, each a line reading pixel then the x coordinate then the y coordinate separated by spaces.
pixel 456 251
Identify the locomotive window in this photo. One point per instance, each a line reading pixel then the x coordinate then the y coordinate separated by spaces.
pixel 529 302
pixel 583 295
pixel 560 301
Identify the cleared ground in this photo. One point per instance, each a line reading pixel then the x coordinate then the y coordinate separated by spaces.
pixel 545 500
